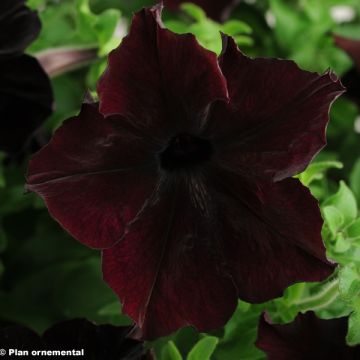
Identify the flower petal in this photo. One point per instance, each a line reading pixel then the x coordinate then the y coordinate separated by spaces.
pixel 22 24
pixel 276 119
pixel 271 235
pixel 306 338
pixel 351 79
pixel 143 82
pixel 25 101
pixel 168 270
pixel 95 176
pixel 351 47
pixel 217 10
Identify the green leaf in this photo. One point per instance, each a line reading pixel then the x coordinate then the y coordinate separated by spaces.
pixel 83 293
pixel 208 31
pixel 238 341
pixel 203 349
pixel 342 244
pixel 344 201
pixel 112 313
pixel 353 230
pixel 234 27
pixel 317 170
pixel 288 23
pixel 353 335
pixel 105 29
pixel 333 218
pixel 349 282
pixel 113 308
pixel 176 26
pixel 72 23
pixel 170 352
pixel 196 12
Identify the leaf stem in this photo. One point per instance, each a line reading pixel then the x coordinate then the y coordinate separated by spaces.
pixel 320 300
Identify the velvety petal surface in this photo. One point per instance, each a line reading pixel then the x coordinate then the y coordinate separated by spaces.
pixel 25 101
pixel 308 337
pixel 19 26
pixel 276 119
pixel 218 10
pixel 205 240
pixel 95 175
pixel 162 82
pixel 169 269
pixel 271 235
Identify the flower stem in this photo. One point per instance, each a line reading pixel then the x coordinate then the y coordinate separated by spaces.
pixel 320 300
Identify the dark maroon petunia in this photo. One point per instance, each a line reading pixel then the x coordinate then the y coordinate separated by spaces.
pixel 183 177
pixel 218 10
pixel 99 342
pixel 25 90
pixel 352 78
pixel 308 337
pixel 19 27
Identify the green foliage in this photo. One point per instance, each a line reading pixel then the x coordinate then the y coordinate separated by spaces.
pixel 342 236
pixel 203 349
pixel 311 24
pixel 46 276
pixel 240 334
pixel 344 202
pixel 317 171
pixel 71 26
pixel 208 31
pixel 170 352
pixel 349 277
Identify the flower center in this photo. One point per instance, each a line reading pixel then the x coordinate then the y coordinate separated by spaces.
pixel 185 151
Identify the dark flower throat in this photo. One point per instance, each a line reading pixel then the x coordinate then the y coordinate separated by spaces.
pixel 185 151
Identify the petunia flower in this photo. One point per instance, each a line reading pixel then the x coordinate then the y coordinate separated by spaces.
pixel 308 337
pixel 217 10
pixel 352 78
pixel 182 176
pixel 98 342
pixel 19 27
pixel 25 90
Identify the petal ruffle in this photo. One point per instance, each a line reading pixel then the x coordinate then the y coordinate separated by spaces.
pixel 271 235
pixel 25 101
pixel 276 119
pixel 94 176
pixel 19 27
pixel 168 270
pixel 217 10
pixel 308 337
pixel 143 82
